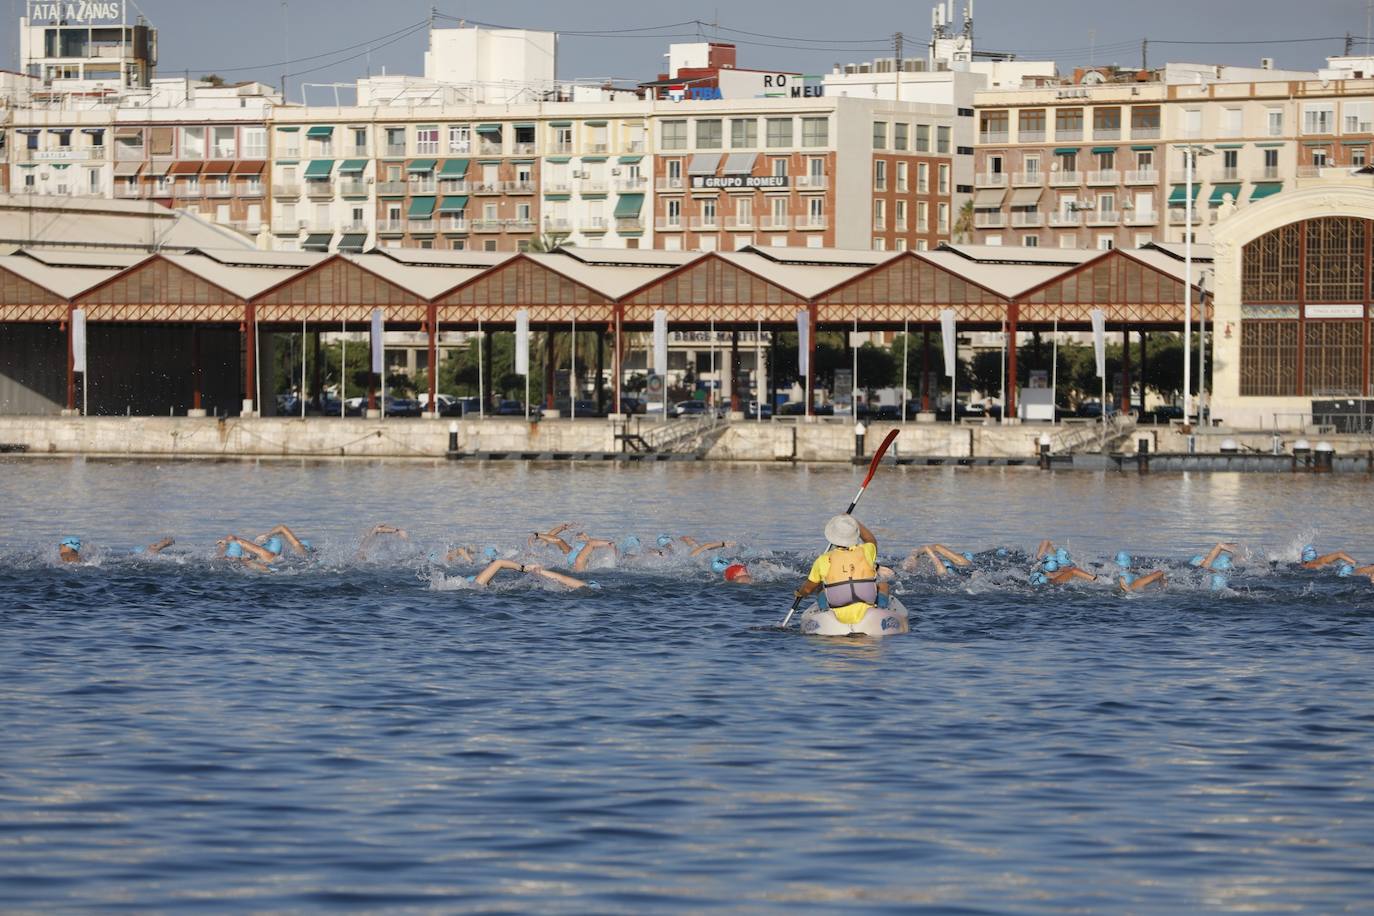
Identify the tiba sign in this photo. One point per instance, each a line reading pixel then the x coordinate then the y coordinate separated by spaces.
pixel 75 12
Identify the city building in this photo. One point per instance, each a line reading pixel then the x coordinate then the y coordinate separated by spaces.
pixel 86 48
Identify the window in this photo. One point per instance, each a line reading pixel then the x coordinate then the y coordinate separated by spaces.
pixel 1358 156
pixel 460 139
pixel 1106 204
pixel 744 211
pixel 778 167
pixel 1105 242
pixel 880 244
pixel 943 187
pixel 880 214
pixel 880 175
pixel 922 245
pixel 563 137
pixel 1357 117
pixel 489 244
pixel 192 185
pixel 708 212
pixel 1144 122
pixel 395 141
pixel 1068 124
pixel 815 211
pixel 1271 163
pixel 1030 125
pixel 359 135
pixel 255 143
pixel 674 135
pixel 900 216
pixel 427 141
pixel 1274 120
pixel 1068 241
pixel 673 210
pixel 674 172
pixel 93 181
pixel 709 134
pixel 923 178
pixel 1107 123
pixel 1319 158
pixel 922 138
pixel 993 127
pixel 1144 160
pixel 901 244
pixel 942 224
pixel 1106 162
pixel 193 143
pixel 880 135
pixel 815 170
pixel 1192 123
pixel 779 132
pixel 524 137
pixel 1031 166
pixel 942 139
pixel 1030 241
pixel 901 177
pixel 1318 118
pixel 815 132
pixel 224 143
pixel 1232 122
pixel 900 139
pixel 744 133
pixel 922 216
pixel 1230 160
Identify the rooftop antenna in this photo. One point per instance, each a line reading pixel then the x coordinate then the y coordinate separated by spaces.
pixel 285 49
pixel 1368 22
pixel 1092 47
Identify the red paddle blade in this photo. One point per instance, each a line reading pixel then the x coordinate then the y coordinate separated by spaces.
pixel 878 456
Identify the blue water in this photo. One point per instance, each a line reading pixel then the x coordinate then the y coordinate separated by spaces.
pixel 182 736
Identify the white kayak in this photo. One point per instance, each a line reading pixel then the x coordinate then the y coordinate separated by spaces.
pixel 876 621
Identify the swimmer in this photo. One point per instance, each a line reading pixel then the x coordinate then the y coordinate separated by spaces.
pixel 69 550
pixel 483 579
pixel 1057 569
pixel 380 531
pixel 156 548
pixel 1129 582
pixel 551 536
pixel 732 571
pixel 1217 559
pixel 942 559
pixel 695 548
pixel 1310 560
pixel 282 537
pixel 254 556
pixel 577 557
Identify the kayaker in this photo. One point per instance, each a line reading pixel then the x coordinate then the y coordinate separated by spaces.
pixel 847 573
pixel 483 579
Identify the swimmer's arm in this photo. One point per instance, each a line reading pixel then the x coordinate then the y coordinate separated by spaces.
pixel 957 559
pixel 1339 556
pixel 558 577
pixel 494 567
pixel 155 549
pixel 1365 570
pixel 262 553
pixel 458 553
pixel 1046 547
pixel 1216 552
pixel 938 566
pixel 289 537
pixel 714 545
pixel 865 535
pixel 256 566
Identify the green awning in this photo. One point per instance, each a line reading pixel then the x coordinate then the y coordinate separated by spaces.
pixel 455 203
pixel 319 168
pixel 1354 143
pixel 1104 149
pixel 318 241
pixel 421 165
pixel 352 166
pixel 560 124
pixel 454 168
pixel 1219 192
pixel 593 158
pixel 288 130
pixel 1229 145
pixel 559 159
pixel 488 128
pixel 596 123
pixel 421 208
pixel 630 160
pixel 353 242
pixel 1179 195
pixel 1264 188
pixel 1142 148
pixel 525 124
pixel 1066 151
pixel 628 206
pixel 1269 145
pixel 486 162
pixel 320 130
pixel 522 162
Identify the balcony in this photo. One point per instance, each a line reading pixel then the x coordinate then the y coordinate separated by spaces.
pixel 356 152
pixel 423 186
pixel 420 226
pixel 989 219
pixel 287 226
pixel 354 226
pixel 391 188
pixel 124 192
pixel 1104 176
pixel 740 222
pixel 637 183
pixel 1030 136
pixel 519 225
pixel 560 149
pixel 250 189
pixel 284 152
pixel 668 224
pixel 486 187
pixel 319 189
pixel 775 222
pixel 185 189
pixel 391 227
pixel 286 190
pixel 1177 216
pixel 700 223
pixel 629 224
pixel 394 151
pixel 1028 179
pixel 1066 178
pixel 596 224
pixel 1068 135
pixel 634 146
pixel 1268 173
pixel 812 222
pixel 519 187
pixel 668 184
pixel 594 188
pixel 598 149
pixel 1104 218
pixel 813 182
pixel 453 224
pixel 453 186
pixel 1066 218
pixel 557 187
pixel 522 149
pixel 1141 217
pixel 990 180
pixel 1141 176
pixel 1228 174
pixel 1108 134
pixel 353 188
pixel 486 225
pixel 557 225
pixel 996 137
pixel 218 190
pixel 1027 219
pixel 1145 132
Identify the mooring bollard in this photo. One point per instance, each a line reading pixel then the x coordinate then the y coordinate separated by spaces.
pixel 1142 455
pixel 1044 451
pixel 1229 446
pixel 453 437
pixel 859 431
pixel 1302 454
pixel 1324 457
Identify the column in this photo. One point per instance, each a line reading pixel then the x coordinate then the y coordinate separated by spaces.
pixel 1009 409
pixel 1144 337
pixel 548 369
pixel 1125 371
pixel 197 371
pixel 925 369
pixel 432 327
pixel 250 348
pixel 71 363
pixel 811 359
pixel 734 372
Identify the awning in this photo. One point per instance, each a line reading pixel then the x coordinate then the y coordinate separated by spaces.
pixel 453 168
pixel 1264 188
pixel 289 130
pixel 489 128
pixel 584 159
pixel 739 164
pixel 454 203
pixel 219 167
pixel 318 241
pixel 1179 195
pixel 1104 149
pixel 158 167
pixel 249 167
pixel 704 164
pixel 186 168
pixel 128 133
pixel 320 130
pixel 421 208
pixel 127 169
pixel 628 206
pixel 61 166
pixel 1026 197
pixel 596 123
pixel 1142 148
pixel 1219 192
pixel 1268 146
pixel 59 130
pixel 1066 151
pixel 558 159
pixel 353 242
pixel 988 198
pixel 28 131
pixel 556 124
pixel 319 168
pixel 630 160
pixel 1228 146
pixel 352 166
pixel 420 166
pixel 525 124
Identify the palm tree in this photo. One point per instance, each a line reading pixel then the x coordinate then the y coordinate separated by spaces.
pixel 548 241
pixel 963 226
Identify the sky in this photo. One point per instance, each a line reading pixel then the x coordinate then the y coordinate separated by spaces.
pixel 347 38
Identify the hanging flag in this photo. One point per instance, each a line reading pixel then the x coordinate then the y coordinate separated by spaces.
pixel 803 342
pixel 522 342
pixel 947 337
pixel 79 340
pixel 660 342
pixel 1100 341
pixel 378 345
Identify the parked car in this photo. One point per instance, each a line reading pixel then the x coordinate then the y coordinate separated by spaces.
pixel 510 409
pixel 691 409
pixel 355 407
pixel 752 411
pixel 402 407
pixel 1162 415
pixel 585 408
pixel 889 412
pixel 631 405
pixel 1092 410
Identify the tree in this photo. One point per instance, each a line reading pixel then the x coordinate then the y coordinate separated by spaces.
pixel 214 79
pixel 549 241
pixel 963 226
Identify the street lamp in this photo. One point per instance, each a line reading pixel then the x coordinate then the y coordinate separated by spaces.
pixel 1190 153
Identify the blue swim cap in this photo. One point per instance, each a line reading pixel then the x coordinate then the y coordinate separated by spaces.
pixel 1051 565
pixel 233 550
pixel 489 552
pixel 1002 551
pixel 274 544
pixel 664 540
pixel 1218 582
pixel 470 578
pixel 1123 559
pixel 1127 578
pixel 73 543
pixel 307 545
pixel 720 565
pixel 1309 553
pixel 1196 560
pixel 968 556
pixel 1345 570
pixel 629 543
pixel 1222 562
pixel 593 584
pixel 1061 554
pixel 1038 578
pixel 948 564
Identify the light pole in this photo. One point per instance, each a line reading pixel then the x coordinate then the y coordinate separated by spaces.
pixel 1190 153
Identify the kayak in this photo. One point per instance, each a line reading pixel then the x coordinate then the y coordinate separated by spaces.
pixel 876 622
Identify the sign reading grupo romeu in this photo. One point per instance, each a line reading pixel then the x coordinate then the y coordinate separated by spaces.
pixel 75 12
pixel 740 181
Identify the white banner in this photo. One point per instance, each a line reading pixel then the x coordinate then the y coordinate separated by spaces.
pixel 660 342
pixel 522 342
pixel 378 342
pixel 79 340
pixel 803 343
pixel 1335 311
pixel 1100 341
pixel 951 343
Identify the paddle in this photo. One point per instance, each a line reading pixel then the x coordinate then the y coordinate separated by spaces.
pixel 872 469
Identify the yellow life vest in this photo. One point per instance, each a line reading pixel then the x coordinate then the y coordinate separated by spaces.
pixel 851 583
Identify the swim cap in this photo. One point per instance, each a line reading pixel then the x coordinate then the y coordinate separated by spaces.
pixel 1127 578
pixel 734 571
pixel 664 540
pixel 968 556
pixel 1222 562
pixel 1345 570
pixel 1038 578
pixel 1309 553
pixel 1218 582
pixel 1051 565
pixel 629 543
pixel 489 552
pixel 842 531
pixel 470 578
pixel 233 550
pixel 274 544
pixel 948 564
pixel 1123 559
pixel 1061 554
pixel 307 545
pixel 720 565
pixel 73 543
pixel 1196 560
pixel 1002 551
pixel 593 584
